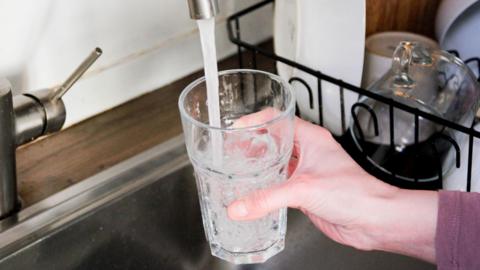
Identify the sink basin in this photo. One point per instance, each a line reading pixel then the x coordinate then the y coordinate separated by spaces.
pixel 144 214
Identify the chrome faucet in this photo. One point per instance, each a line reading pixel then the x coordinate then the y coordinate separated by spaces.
pixel 203 9
pixel 25 117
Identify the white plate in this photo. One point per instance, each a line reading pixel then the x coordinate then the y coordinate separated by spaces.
pixel 464 35
pixel 328 36
pixel 448 12
pixel 285 34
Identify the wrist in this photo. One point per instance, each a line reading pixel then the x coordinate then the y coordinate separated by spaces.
pixel 405 223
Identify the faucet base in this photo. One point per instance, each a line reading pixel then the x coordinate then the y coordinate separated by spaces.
pixel 17 207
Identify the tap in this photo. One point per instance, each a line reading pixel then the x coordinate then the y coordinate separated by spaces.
pixel 25 117
pixel 203 9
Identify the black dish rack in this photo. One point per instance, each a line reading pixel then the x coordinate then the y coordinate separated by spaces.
pixel 235 36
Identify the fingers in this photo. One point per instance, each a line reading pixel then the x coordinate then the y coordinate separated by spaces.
pixel 304 131
pixel 256 118
pixel 307 133
pixel 262 202
pixel 292 165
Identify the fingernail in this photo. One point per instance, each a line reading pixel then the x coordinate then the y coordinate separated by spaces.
pixel 240 209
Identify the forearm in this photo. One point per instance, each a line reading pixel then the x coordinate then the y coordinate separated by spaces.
pixel 406 224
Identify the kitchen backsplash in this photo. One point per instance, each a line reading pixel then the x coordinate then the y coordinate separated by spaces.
pixel 147 44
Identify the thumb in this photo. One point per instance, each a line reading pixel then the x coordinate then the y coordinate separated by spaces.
pixel 262 202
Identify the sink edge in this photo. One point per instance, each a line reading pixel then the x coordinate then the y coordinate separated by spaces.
pixel 36 221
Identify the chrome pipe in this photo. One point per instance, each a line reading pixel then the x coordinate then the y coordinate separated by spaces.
pixel 8 183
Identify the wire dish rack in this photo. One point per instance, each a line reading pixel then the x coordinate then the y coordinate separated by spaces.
pixel 391 176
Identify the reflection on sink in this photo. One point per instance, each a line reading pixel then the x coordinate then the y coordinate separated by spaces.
pixel 144 214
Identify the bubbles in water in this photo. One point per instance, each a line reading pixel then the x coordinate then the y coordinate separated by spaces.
pixel 243 176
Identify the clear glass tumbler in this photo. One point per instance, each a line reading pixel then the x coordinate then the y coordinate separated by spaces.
pixel 240 157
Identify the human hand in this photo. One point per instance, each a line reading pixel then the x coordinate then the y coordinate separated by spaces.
pixel 344 202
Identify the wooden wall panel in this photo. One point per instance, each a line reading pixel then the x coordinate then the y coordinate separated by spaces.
pixel 416 16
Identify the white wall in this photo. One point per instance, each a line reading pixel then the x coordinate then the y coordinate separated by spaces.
pixel 146 44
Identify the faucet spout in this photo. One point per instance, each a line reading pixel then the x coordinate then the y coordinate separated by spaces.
pixel 203 9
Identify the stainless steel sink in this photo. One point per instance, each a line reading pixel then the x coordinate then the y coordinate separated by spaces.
pixel 144 214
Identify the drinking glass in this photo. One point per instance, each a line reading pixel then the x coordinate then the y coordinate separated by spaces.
pixel 249 151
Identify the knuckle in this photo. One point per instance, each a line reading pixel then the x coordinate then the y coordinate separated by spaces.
pixel 325 133
pixel 261 200
pixel 299 185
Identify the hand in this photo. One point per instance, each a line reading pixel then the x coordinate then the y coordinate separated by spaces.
pixel 344 202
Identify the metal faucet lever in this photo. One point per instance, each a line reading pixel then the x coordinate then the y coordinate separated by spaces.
pixel 25 117
pixel 84 66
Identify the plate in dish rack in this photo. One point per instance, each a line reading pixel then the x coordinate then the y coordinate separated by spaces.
pixel 285 34
pixel 328 36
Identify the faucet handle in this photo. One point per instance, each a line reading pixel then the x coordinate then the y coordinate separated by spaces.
pixel 59 91
pixel 41 112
